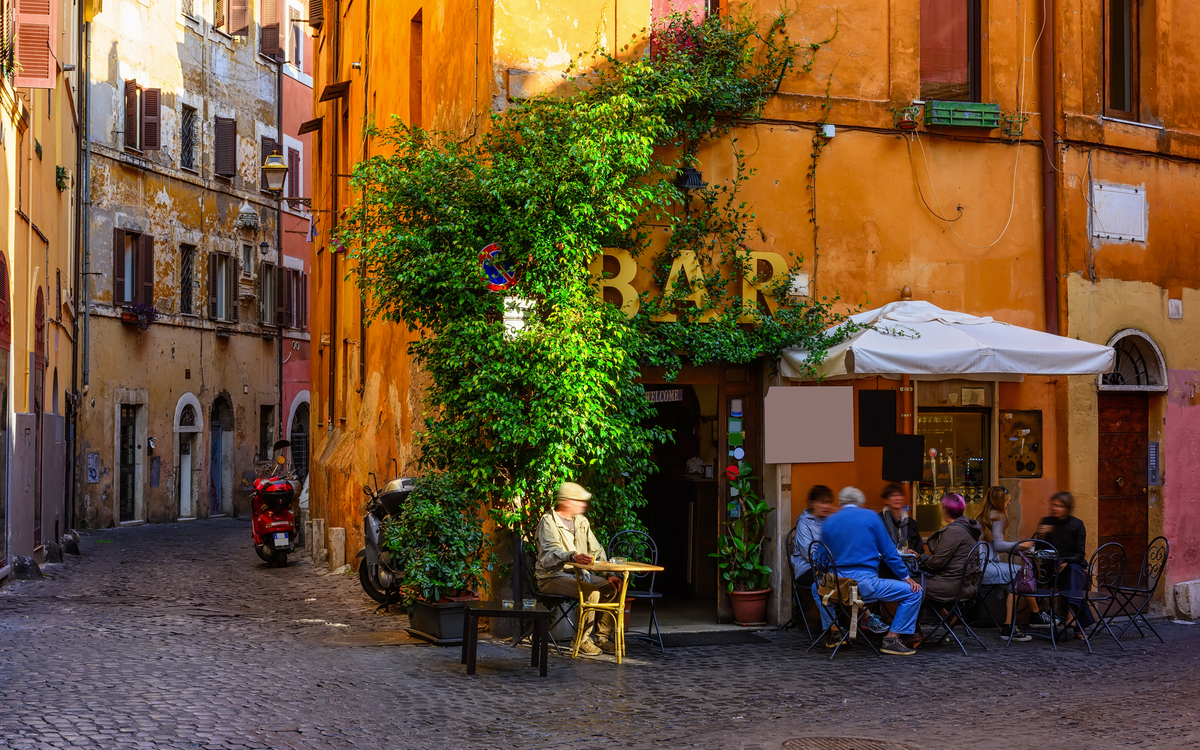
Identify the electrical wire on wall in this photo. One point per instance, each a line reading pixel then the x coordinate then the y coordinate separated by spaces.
pixel 1021 95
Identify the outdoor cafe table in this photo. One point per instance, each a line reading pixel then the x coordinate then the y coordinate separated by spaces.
pixel 618 609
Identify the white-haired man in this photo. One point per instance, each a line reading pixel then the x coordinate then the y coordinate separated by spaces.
pixel 858 541
pixel 565 536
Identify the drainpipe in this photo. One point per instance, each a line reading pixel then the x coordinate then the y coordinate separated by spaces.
pixel 279 225
pixel 82 280
pixel 1049 176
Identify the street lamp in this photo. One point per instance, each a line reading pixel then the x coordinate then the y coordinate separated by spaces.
pixel 275 171
pixel 263 247
pixel 690 179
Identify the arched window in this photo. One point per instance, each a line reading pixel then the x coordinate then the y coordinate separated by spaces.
pixel 187 418
pixel 299 440
pixel 1139 365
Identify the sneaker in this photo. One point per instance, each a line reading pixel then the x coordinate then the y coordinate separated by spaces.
pixel 587 648
pixel 896 647
pixel 1042 619
pixel 833 638
pixel 872 623
pixel 1017 635
pixel 607 645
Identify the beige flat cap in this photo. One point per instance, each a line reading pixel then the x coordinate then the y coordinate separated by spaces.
pixel 572 491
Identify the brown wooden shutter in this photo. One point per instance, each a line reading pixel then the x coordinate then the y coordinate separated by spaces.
pixel 36 36
pixel 303 301
pixel 269 9
pixel 226 147
pixel 118 266
pixel 131 115
pixel 293 297
pixel 146 269
pixel 212 286
pixel 295 178
pixel 280 296
pixel 5 317
pixel 239 17
pixel 219 13
pixel 151 120
pixel 316 12
pixel 264 309
pixel 269 146
pixel 232 293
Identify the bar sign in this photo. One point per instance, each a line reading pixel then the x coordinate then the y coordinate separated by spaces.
pixel 1152 466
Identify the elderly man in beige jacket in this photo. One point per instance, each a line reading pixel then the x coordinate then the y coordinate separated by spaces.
pixel 564 536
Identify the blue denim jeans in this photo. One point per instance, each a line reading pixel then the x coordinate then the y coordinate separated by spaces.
pixel 872 588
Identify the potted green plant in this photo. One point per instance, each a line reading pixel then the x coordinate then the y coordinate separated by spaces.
pixel 740 549
pixel 438 540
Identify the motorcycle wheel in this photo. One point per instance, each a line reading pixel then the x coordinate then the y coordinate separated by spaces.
pixel 279 558
pixel 261 549
pixel 373 591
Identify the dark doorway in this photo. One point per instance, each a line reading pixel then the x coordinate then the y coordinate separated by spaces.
pixel 1122 482
pixel 127 470
pixel 299 440
pixel 681 513
pixel 39 406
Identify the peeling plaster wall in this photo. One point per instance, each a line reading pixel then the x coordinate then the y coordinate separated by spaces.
pixel 149 192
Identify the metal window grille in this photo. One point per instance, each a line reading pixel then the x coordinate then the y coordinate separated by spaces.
pixel 187 136
pixel 299 440
pixel 187 279
pixel 188 8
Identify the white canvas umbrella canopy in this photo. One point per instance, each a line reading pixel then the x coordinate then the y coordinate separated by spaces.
pixel 928 343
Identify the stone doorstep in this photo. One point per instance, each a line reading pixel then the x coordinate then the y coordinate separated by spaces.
pixel 1187 600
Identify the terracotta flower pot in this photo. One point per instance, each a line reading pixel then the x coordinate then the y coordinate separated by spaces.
pixel 750 607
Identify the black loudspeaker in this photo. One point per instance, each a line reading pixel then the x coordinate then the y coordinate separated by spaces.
pixel 876 417
pixel 903 458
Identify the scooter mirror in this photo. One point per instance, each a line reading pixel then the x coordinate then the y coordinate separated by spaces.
pixel 368 491
pixel 280 460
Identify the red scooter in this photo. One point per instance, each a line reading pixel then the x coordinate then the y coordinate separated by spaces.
pixel 274 524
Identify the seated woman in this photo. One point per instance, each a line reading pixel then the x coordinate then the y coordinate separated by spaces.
pixel 808 530
pixel 1069 536
pixel 993 518
pixel 948 550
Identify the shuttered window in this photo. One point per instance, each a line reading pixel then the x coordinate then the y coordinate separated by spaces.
pixel 294 176
pixel 133 120
pixel 143 118
pixel 222 287
pixel 151 119
pixel 5 329
pixel 225 161
pixel 1121 59
pixel 281 296
pixel 950 45
pixel 269 146
pixel 316 13
pixel 239 17
pixel 272 45
pixel 220 13
pixel 35 32
pixel 133 268
pixel 266 297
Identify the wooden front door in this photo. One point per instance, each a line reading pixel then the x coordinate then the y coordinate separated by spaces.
pixel 1123 497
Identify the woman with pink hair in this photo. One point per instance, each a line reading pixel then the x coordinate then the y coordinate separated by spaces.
pixel 949 547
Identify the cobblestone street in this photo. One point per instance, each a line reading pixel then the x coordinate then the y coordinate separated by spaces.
pixel 178 636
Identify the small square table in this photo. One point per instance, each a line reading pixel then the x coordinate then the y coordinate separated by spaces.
pixel 541 629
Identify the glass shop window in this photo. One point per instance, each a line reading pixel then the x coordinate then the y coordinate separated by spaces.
pixel 957 459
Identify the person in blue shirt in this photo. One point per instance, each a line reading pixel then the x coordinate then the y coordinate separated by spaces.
pixel 808 530
pixel 858 542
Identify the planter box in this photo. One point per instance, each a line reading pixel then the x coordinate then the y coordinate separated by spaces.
pixel 962 115
pixel 440 624
pixel 129 318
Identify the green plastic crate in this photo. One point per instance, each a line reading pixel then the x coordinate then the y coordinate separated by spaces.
pixel 962 115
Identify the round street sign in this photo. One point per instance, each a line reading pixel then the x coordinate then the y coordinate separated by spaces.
pixel 496 268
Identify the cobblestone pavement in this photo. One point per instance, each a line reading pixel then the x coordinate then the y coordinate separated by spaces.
pixel 178 636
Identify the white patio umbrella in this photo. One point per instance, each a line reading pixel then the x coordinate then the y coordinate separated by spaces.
pixel 928 343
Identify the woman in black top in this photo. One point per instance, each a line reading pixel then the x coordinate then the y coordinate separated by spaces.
pixel 1069 536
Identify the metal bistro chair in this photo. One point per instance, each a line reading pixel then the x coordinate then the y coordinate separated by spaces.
pixel 1104 570
pixel 562 607
pixel 798 612
pixel 1138 596
pixel 638 545
pixel 1037 579
pixel 972 576
pixel 825 572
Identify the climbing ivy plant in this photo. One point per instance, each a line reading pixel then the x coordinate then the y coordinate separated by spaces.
pixel 553 180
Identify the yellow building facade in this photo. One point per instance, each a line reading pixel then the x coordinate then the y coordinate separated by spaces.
pixel 933 180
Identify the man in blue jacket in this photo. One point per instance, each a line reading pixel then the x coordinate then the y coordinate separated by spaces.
pixel 858 541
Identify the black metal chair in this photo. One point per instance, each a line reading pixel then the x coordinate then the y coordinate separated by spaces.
pixel 825 572
pixel 1036 579
pixel 639 546
pixel 968 585
pixel 798 612
pixel 1139 595
pixel 562 607
pixel 1104 570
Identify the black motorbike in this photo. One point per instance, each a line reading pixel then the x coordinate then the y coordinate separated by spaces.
pixel 379 578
